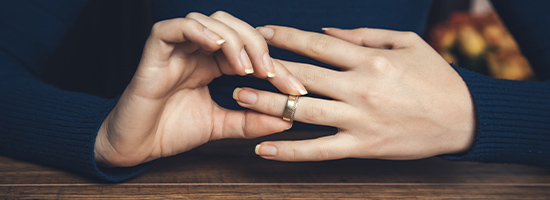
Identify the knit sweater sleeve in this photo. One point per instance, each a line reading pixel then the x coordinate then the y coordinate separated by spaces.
pixel 39 122
pixel 513 117
pixel 513 121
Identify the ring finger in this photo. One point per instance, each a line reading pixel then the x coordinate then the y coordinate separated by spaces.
pixel 308 110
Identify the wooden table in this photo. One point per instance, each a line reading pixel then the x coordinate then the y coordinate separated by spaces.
pixel 229 170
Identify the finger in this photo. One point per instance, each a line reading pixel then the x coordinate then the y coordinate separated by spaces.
pixel 284 81
pixel 245 124
pixel 321 47
pixel 372 37
pixel 320 80
pixel 233 48
pixel 166 34
pixel 324 148
pixel 254 43
pixel 257 50
pixel 224 65
pixel 308 110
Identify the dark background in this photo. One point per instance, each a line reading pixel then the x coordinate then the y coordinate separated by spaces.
pixel 100 53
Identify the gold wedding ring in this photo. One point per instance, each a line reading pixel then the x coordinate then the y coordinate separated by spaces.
pixel 290 109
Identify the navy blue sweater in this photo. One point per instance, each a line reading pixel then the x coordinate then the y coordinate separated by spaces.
pixel 44 124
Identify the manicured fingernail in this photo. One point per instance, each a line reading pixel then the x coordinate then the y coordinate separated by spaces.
pixel 266 150
pixel 297 85
pixel 268 64
pixel 245 96
pixel 245 62
pixel 256 150
pixel 220 42
pixel 236 93
pixel 325 29
pixel 266 32
pixel 213 36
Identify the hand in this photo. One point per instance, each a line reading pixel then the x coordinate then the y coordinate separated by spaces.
pixel 167 109
pixel 395 97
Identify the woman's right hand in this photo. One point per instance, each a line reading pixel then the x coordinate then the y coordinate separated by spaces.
pixel 167 109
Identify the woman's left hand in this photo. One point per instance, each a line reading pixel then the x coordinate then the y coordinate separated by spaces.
pixel 395 97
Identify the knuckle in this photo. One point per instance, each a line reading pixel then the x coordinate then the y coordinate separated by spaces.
pixel 282 35
pixel 244 125
pixel 379 63
pixel 272 106
pixel 257 38
pixel 187 22
pixel 184 22
pixel 323 154
pixel 363 30
pixel 193 15
pixel 219 14
pixel 409 35
pixel 372 98
pixel 317 44
pixel 364 96
pixel 308 77
pixel 156 27
pixel 293 154
pixel 312 113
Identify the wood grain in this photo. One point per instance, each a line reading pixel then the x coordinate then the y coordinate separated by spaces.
pixel 277 192
pixel 230 170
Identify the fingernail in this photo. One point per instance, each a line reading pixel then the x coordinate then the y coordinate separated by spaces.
pixel 236 93
pixel 245 96
pixel 268 64
pixel 266 32
pixel 297 85
pixel 325 29
pixel 213 36
pixel 266 150
pixel 245 62
pixel 256 150
pixel 220 42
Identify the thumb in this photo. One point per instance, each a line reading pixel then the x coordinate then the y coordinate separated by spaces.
pixel 372 37
pixel 324 148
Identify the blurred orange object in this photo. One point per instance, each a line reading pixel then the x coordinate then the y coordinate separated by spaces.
pixel 470 41
pixel 480 43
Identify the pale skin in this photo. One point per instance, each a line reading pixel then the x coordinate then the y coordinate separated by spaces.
pixel 167 108
pixel 395 97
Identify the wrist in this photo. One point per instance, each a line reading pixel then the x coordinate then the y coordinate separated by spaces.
pixel 461 115
pixel 463 135
pixel 100 145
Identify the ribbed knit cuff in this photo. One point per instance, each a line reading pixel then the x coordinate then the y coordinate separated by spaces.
pixel 513 121
pixel 43 124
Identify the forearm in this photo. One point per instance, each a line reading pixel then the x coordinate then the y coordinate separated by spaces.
pixel 39 122
pixel 43 124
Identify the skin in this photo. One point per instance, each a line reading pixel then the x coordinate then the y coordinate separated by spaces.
pixel 167 109
pixel 394 98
